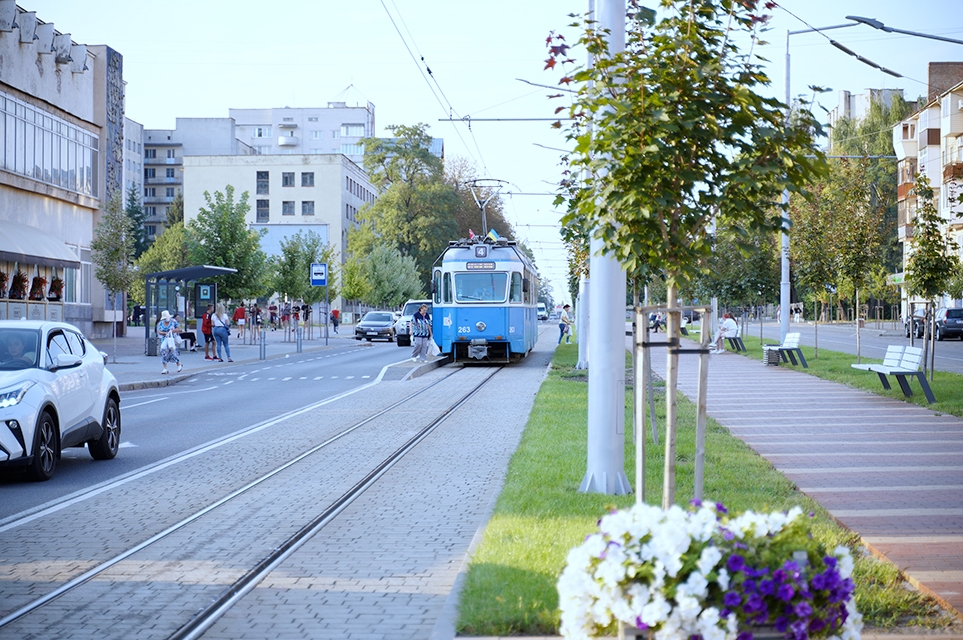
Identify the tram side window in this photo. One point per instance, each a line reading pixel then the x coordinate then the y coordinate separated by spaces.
pixel 447 288
pixel 436 286
pixel 515 294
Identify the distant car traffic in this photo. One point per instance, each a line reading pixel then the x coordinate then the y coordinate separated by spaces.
pixel 949 323
pixel 376 325
pixel 542 311
pixel 916 322
pixel 403 324
pixel 55 393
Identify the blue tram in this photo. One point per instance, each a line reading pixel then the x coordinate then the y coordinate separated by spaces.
pixel 485 301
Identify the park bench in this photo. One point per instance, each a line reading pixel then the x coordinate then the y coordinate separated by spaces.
pixel 735 342
pixel 789 349
pixel 901 362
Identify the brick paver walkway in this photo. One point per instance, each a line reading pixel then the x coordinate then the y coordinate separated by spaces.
pixel 889 470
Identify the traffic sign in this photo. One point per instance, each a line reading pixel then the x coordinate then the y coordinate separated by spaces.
pixel 319 274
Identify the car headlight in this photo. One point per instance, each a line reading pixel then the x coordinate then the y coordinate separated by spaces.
pixel 13 395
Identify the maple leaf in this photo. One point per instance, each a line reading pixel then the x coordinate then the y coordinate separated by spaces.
pixel 560 109
pixel 549 64
pixel 566 80
pixel 557 124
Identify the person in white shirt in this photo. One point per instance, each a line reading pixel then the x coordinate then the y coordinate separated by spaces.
pixel 728 329
pixel 564 326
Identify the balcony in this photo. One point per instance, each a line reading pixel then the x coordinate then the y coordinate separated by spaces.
pixel 148 161
pixel 953 170
pixel 162 180
pixel 287 141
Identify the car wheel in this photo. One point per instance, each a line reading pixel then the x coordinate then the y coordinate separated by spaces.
pixel 938 334
pixel 368 339
pixel 44 449
pixel 105 447
pixel 391 337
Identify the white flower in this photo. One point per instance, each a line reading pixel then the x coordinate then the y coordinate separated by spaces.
pixel 723 579
pixel 656 611
pixel 845 561
pixel 696 586
pixel 709 559
pixel 687 607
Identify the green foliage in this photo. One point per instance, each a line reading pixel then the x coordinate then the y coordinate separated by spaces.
pixel 168 252
pixel 467 215
pixel 112 249
pixel 291 269
pixel 220 237
pixel 741 273
pixel 175 211
pixel 934 260
pixel 135 211
pixel 673 135
pixel 382 277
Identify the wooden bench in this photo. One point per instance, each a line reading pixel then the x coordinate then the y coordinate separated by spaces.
pixel 789 349
pixel 901 362
pixel 735 342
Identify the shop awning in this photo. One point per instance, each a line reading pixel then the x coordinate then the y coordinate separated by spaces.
pixel 25 244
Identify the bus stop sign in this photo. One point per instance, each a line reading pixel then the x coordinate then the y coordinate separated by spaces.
pixel 319 274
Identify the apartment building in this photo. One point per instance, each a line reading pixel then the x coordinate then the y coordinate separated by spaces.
pixel 61 156
pixel 930 142
pixel 164 152
pixel 855 106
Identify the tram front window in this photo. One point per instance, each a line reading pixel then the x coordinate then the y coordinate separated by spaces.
pixel 480 287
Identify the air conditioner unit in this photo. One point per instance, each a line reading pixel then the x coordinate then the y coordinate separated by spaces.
pixel 959 105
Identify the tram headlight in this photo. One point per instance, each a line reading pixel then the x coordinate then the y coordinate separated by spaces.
pixel 481 326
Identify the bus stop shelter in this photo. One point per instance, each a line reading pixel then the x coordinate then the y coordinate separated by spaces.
pixel 161 290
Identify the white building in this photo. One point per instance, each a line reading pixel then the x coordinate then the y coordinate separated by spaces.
pixel 855 106
pixel 61 156
pixel 335 129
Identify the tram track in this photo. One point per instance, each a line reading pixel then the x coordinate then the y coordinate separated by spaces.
pixel 238 587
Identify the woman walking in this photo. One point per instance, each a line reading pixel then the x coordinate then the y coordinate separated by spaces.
pixel 167 331
pixel 222 333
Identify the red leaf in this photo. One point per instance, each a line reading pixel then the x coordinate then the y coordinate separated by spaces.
pixel 560 109
pixel 549 64
pixel 566 80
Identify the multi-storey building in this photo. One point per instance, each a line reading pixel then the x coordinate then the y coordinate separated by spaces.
pixel 856 106
pixel 61 157
pixel 164 152
pixel 133 158
pixel 930 142
pixel 336 129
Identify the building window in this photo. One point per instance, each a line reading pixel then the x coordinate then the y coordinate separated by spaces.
pixel 307 208
pixel 169 173
pixel 263 183
pixel 149 173
pixel 263 210
pixel 150 192
pixel 352 131
pixel 313 119
pixel 316 134
pixel 287 119
pixel 171 153
pixel 287 208
pixel 307 179
pixel 151 229
pixel 169 192
pixel 151 211
pixel 150 153
pixel 352 149
pixel 261 132
pixel 287 179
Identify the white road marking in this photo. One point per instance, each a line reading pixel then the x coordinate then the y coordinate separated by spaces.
pixel 285 379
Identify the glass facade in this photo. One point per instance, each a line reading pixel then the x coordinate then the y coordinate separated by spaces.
pixel 46 148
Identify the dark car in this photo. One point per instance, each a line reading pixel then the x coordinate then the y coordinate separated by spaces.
pixel 918 320
pixel 376 325
pixel 949 323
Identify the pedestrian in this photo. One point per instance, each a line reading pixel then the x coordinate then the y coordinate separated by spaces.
pixel 222 333
pixel 335 319
pixel 285 314
pixel 273 315
pixel 728 329
pixel 564 324
pixel 166 331
pixel 421 334
pixel 207 328
pixel 240 318
pixel 187 335
pixel 137 315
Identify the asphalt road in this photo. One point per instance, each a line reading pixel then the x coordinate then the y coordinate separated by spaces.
pixel 163 422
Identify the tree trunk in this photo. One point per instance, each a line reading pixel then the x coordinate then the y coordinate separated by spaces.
pixel 815 329
pixel 671 383
pixel 113 325
pixel 858 359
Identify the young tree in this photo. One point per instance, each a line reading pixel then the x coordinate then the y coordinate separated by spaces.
pixel 112 252
pixel 671 135
pixel 382 277
pixel 168 252
pixel 135 211
pixel 934 261
pixel 220 237
pixel 175 211
pixel 291 269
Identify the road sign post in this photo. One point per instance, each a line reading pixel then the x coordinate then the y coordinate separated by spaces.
pixel 319 278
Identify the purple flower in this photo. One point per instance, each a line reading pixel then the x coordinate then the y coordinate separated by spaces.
pixel 724 613
pixel 736 563
pixel 781 624
pixel 812 514
pixel 755 604
pixel 830 561
pixel 803 610
pixel 816 625
pixel 720 508
pixel 767 587
pixel 779 575
pixel 749 585
pixel 799 630
pixel 728 535
pixel 785 592
pixel 745 635
pixel 696 503
pixel 731 599
pixel 640 625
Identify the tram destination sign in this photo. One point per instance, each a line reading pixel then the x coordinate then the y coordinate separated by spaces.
pixel 480 266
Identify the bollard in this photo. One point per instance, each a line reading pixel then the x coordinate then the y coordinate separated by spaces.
pixel 263 344
pixel 299 339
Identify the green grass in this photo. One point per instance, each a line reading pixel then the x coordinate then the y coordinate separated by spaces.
pixel 834 366
pixel 540 515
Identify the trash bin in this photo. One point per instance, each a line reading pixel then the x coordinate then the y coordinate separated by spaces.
pixel 152 346
pixel 862 323
pixel 770 356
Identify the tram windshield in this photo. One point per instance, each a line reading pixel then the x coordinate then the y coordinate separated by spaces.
pixel 480 287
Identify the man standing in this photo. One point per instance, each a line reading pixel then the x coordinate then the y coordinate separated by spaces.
pixel 208 330
pixel 564 326
pixel 421 334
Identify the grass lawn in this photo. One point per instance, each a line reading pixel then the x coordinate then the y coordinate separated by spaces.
pixel 540 515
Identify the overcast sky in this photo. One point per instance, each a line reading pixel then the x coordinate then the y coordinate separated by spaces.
pixel 199 58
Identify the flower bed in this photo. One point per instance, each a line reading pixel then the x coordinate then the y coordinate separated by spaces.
pixel 680 574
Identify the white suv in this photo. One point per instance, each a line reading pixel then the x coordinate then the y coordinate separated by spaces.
pixel 403 326
pixel 55 392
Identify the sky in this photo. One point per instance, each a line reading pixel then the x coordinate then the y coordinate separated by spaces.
pixel 200 58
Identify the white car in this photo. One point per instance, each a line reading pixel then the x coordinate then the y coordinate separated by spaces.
pixel 55 392
pixel 403 325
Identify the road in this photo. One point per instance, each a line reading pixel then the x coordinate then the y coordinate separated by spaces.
pixel 163 422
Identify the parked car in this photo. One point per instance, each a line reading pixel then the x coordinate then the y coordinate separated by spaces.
pixel 376 325
pixel 917 321
pixel 55 392
pixel 949 323
pixel 403 325
pixel 542 311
